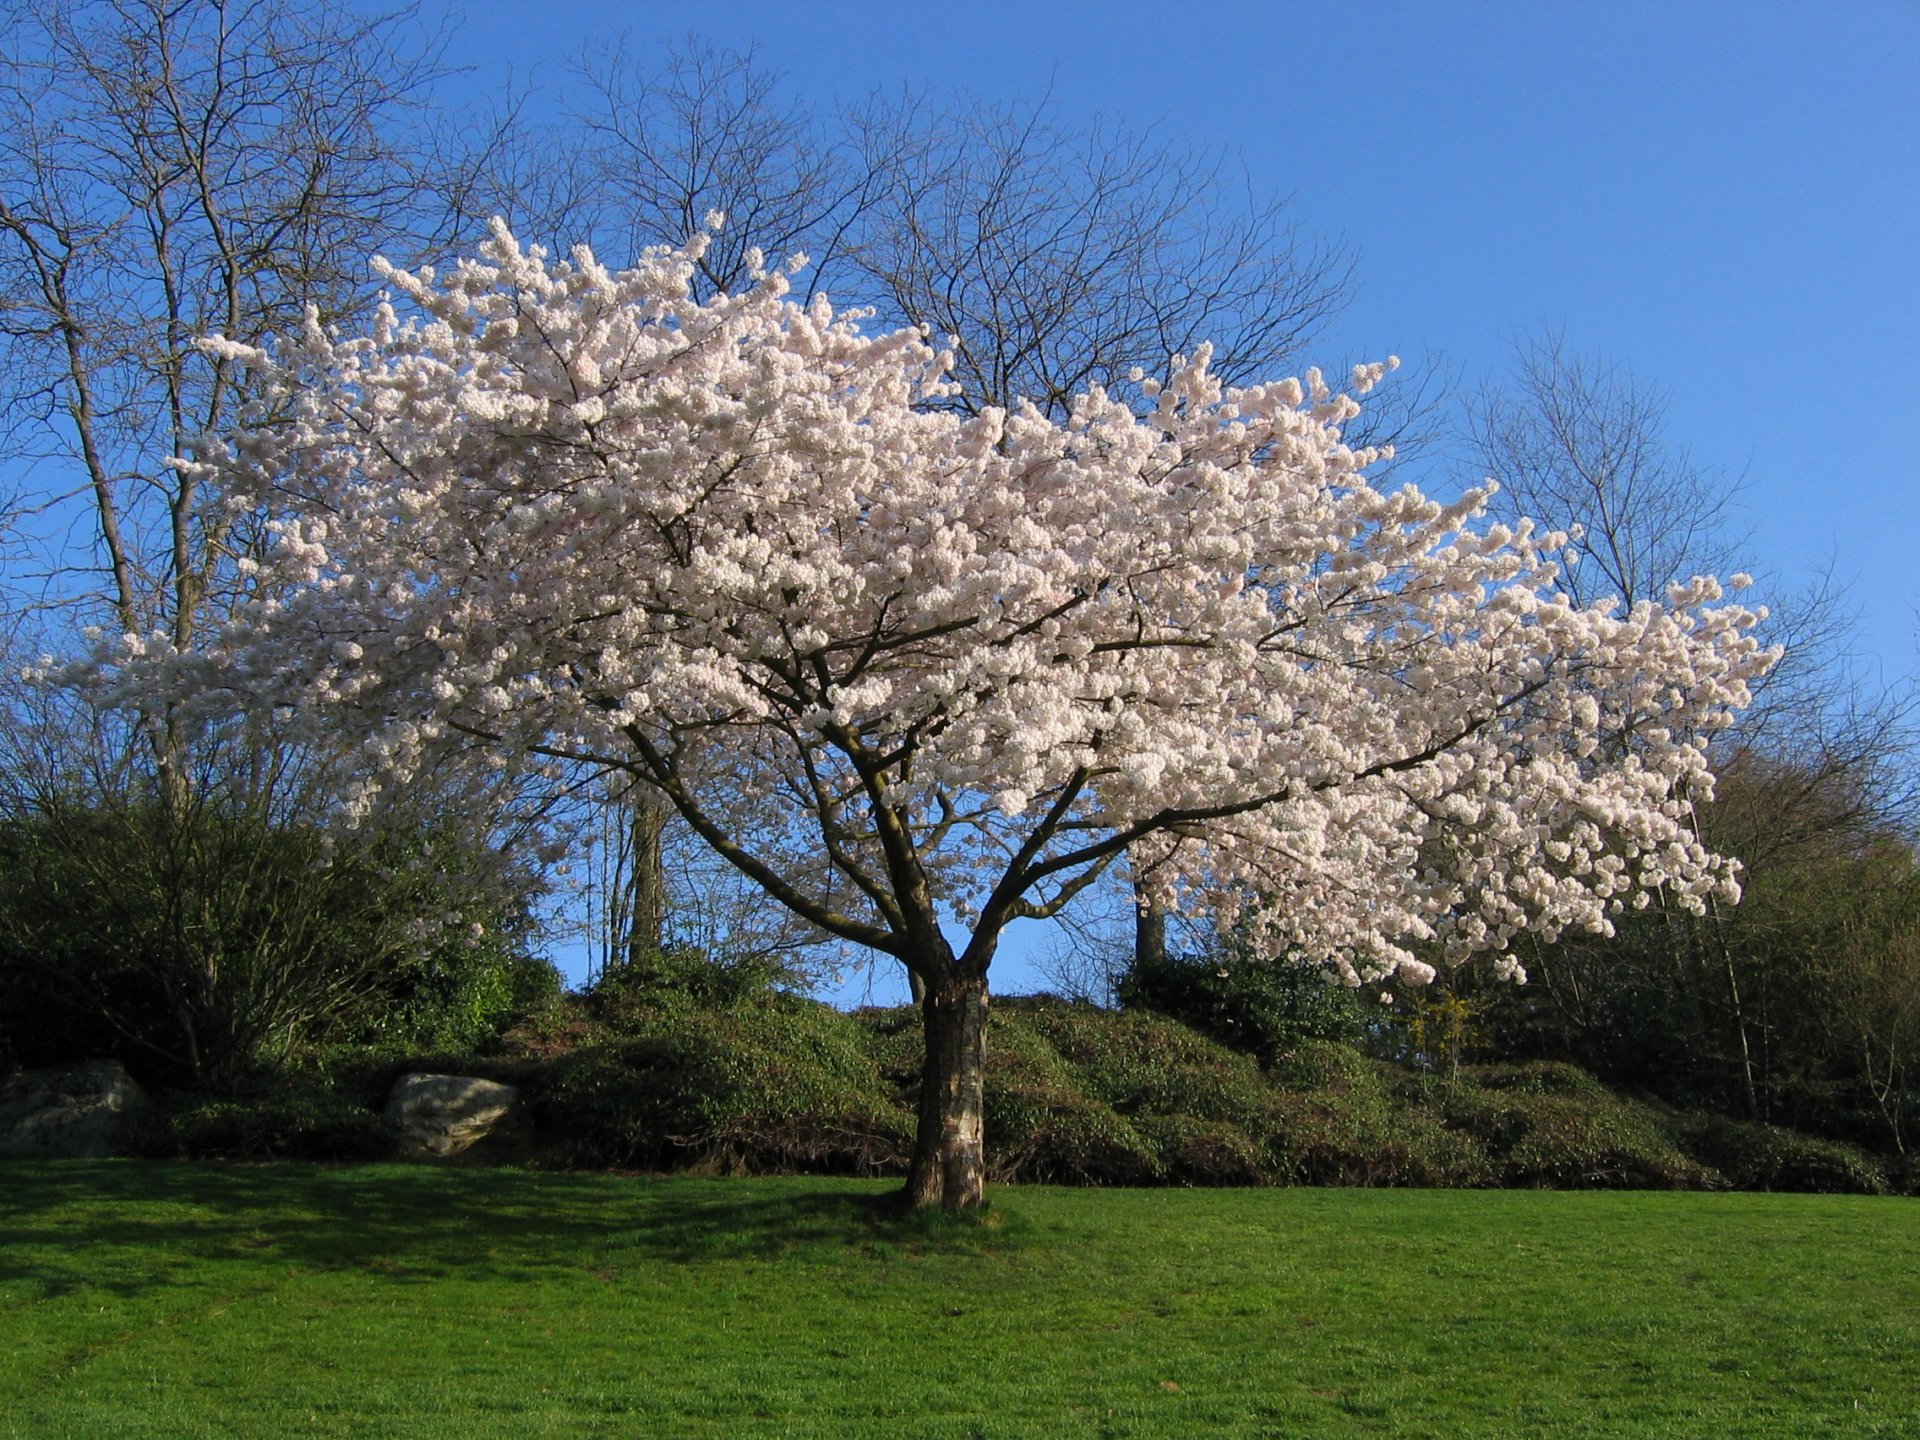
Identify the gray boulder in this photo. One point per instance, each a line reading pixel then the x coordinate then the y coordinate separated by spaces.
pixel 76 1112
pixel 441 1115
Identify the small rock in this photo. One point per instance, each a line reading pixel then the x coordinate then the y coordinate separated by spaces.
pixel 76 1112
pixel 441 1115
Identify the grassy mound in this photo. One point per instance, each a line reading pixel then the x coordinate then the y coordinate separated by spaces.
pixel 1556 1127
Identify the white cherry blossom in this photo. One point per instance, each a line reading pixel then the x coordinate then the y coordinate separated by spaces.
pixel 902 666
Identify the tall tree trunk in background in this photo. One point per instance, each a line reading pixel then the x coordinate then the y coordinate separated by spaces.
pixel 1149 932
pixel 646 876
pixel 1736 1012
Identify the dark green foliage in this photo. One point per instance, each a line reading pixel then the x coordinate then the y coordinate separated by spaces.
pixel 894 1040
pixel 456 996
pixel 1339 1121
pixel 1262 1007
pixel 1150 1065
pixel 1081 1095
pixel 1074 1095
pixel 1192 1151
pixel 1800 1005
pixel 1043 1126
pixel 1555 1126
pixel 199 946
pixel 297 1115
pixel 772 1084
pixel 1767 1157
pixel 682 975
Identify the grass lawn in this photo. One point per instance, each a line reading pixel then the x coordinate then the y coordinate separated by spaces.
pixel 157 1300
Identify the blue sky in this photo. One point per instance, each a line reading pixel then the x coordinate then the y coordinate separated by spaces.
pixel 1723 196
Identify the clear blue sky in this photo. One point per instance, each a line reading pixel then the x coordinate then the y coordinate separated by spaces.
pixel 1725 196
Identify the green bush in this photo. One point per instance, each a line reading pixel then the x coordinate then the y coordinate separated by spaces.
pixel 778 1084
pixel 1338 1120
pixel 1322 1065
pixel 682 976
pixel 1144 1064
pixel 1752 1156
pixel 896 1045
pixel 296 1116
pixel 203 943
pixel 1073 1095
pixel 1193 1151
pixel 457 996
pixel 1554 1126
pixel 1542 1077
pixel 1043 1127
pixel 1258 1006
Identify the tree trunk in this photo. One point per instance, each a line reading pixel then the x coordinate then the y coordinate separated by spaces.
pixel 1736 1013
pixel 647 878
pixel 949 1153
pixel 1149 933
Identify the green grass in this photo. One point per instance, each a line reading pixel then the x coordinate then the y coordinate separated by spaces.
pixel 279 1301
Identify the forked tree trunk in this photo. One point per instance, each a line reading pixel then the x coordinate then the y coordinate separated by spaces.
pixel 949 1153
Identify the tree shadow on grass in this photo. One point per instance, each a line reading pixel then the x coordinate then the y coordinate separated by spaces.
pixel 127 1227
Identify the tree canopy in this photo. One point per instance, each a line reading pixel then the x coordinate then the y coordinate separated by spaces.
pixel 906 667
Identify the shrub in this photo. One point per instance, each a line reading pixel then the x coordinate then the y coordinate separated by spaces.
pixel 1555 1126
pixel 198 944
pixel 1753 1156
pixel 457 996
pixel 1259 1007
pixel 296 1116
pixel 895 1044
pixel 682 976
pixel 778 1084
pixel 1338 1121
pixel 1321 1065
pixel 1193 1151
pixel 1145 1064
pixel 1042 1126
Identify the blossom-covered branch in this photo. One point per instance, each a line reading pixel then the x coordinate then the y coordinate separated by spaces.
pixel 905 666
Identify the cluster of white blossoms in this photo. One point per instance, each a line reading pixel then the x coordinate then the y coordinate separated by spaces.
pixel 890 657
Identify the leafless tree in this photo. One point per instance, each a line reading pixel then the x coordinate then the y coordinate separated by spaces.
pixel 1580 444
pixel 170 172
pixel 1061 256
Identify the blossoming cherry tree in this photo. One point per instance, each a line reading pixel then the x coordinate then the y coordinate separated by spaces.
pixel 920 675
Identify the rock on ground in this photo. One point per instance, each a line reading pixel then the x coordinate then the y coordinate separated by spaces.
pixel 441 1115
pixel 75 1112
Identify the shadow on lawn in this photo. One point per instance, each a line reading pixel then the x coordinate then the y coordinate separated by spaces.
pixel 128 1226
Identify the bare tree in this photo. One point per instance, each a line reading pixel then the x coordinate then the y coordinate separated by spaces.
pixel 1060 257
pixel 1579 443
pixel 712 132
pixel 171 172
